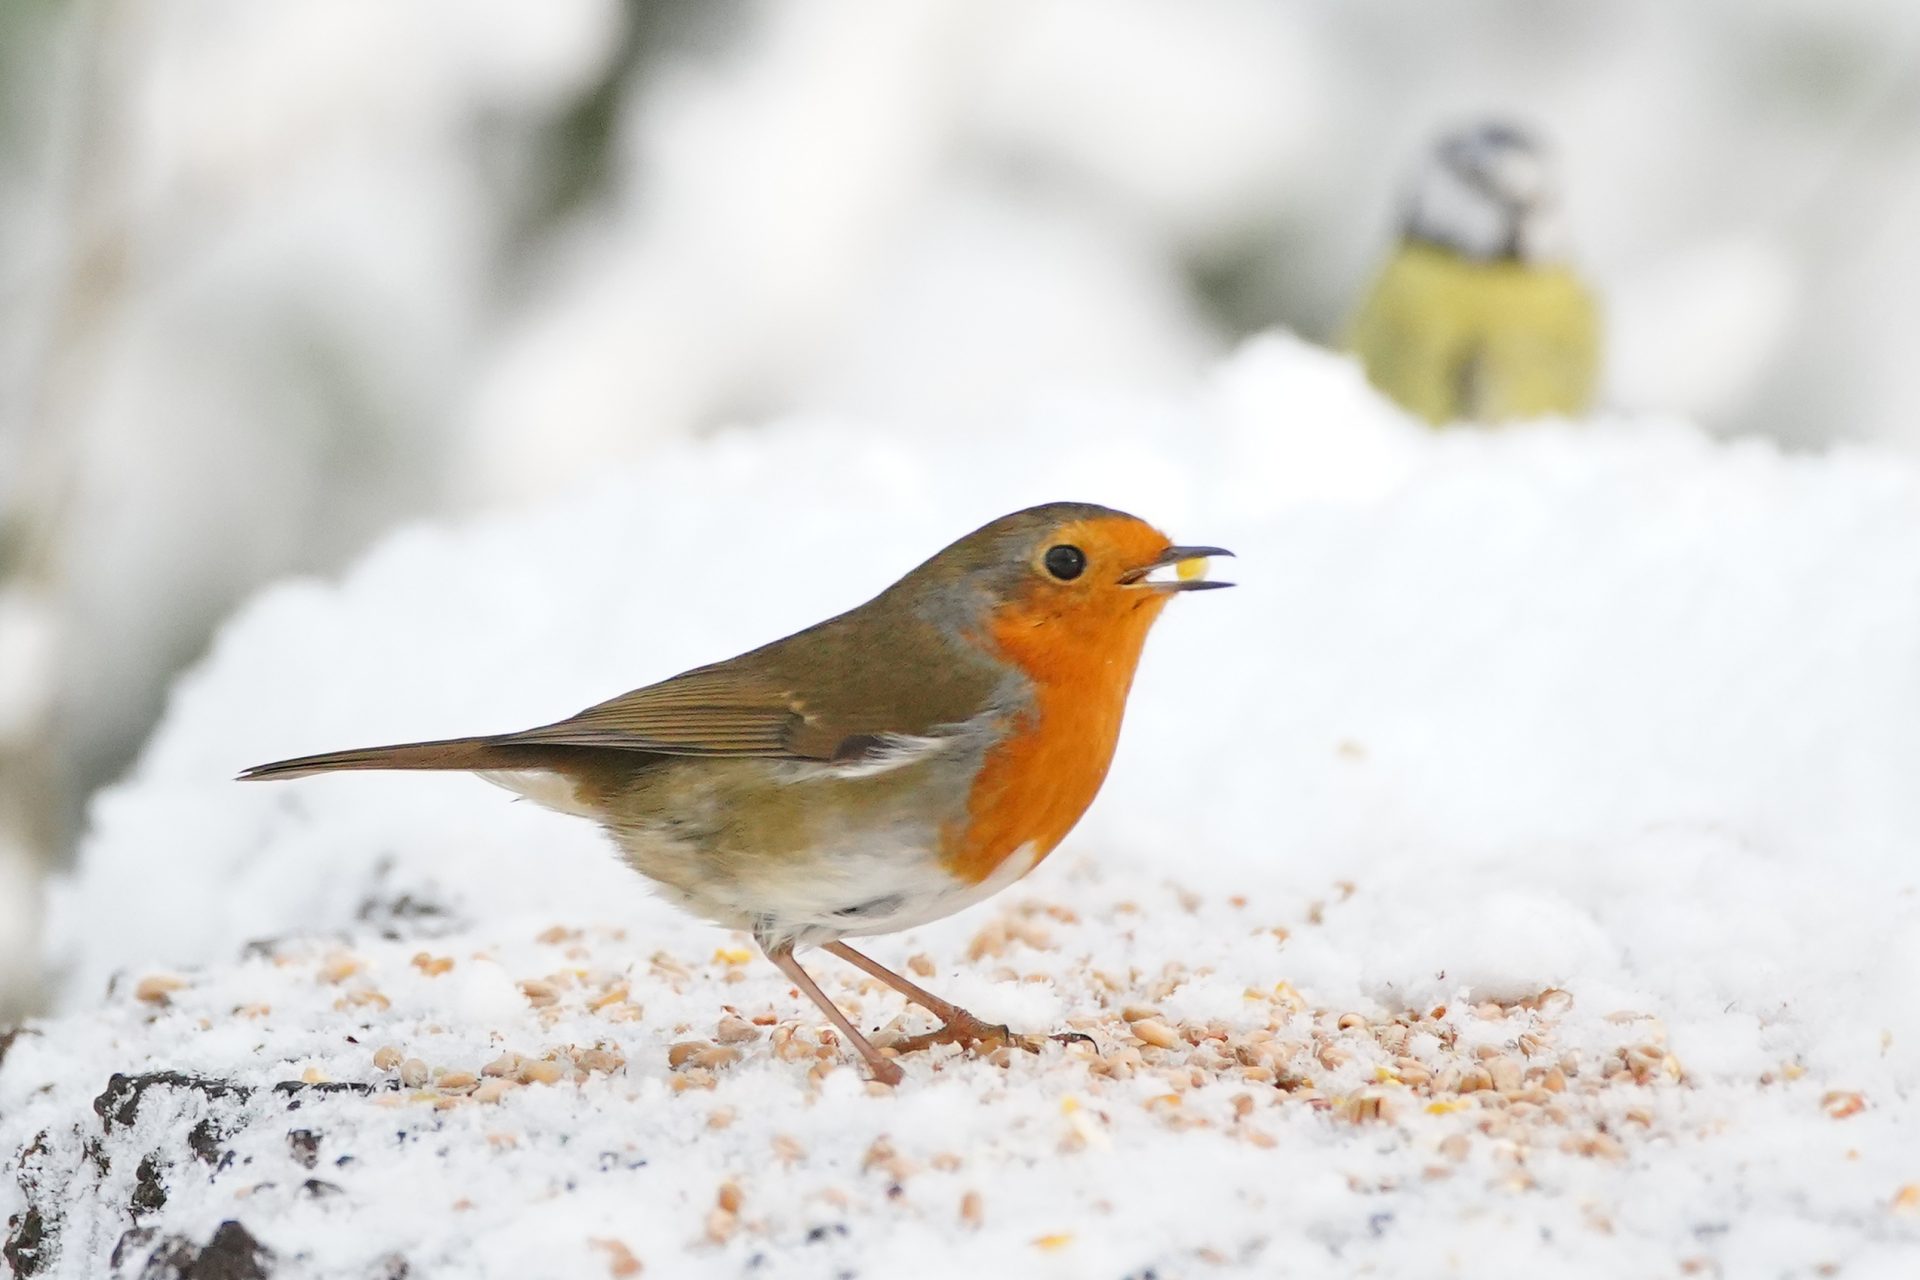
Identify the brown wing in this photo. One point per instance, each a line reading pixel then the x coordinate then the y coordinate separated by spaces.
pixel 837 691
pixel 713 711
pixel 710 712
pixel 850 687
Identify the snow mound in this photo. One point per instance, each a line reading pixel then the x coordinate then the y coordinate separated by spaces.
pixel 1581 748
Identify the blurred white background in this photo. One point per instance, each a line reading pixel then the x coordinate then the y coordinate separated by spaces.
pixel 278 274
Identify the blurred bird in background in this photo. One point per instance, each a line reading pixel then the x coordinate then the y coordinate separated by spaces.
pixel 1478 316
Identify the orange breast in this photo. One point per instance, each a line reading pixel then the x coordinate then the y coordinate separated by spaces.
pixel 1034 786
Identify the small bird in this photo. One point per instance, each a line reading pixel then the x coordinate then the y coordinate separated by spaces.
pixel 887 767
pixel 1478 315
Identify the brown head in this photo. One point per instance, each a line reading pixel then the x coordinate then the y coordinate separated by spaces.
pixel 1056 588
pixel 1065 593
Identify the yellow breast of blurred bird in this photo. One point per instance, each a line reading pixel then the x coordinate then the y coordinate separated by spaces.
pixel 1452 338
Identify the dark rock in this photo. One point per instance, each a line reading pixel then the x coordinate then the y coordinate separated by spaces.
pixel 9 1035
pixel 29 1244
pixel 204 1141
pixel 316 1189
pixel 404 916
pixel 28 1250
pixel 131 1241
pixel 38 1147
pixel 119 1103
pixel 170 1259
pixel 118 1107
pixel 611 1160
pixel 149 1192
pixel 304 1146
pixel 295 1091
pixel 232 1254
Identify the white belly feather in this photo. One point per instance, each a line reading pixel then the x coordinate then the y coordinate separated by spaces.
pixel 865 878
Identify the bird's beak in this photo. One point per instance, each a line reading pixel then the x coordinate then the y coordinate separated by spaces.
pixel 1172 558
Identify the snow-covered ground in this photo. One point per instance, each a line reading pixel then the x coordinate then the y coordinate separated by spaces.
pixel 282 273
pixel 1514 875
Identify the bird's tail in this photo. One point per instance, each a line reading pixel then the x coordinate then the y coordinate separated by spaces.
pixel 451 753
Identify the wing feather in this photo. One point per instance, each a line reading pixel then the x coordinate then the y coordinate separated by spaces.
pixel 848 691
pixel 707 712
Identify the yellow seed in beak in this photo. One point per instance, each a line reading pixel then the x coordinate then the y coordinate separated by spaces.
pixel 1188 570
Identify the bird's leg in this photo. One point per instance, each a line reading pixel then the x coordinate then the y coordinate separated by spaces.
pixel 944 1010
pixel 958 1026
pixel 884 1070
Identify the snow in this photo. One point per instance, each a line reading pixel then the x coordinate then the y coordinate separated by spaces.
pixel 1579 755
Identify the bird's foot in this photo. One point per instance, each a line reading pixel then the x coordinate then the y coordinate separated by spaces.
pixel 969 1033
pixel 974 1035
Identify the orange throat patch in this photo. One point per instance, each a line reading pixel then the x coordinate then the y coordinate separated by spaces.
pixel 1035 784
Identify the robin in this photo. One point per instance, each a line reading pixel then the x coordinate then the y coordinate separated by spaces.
pixel 885 768
pixel 1478 314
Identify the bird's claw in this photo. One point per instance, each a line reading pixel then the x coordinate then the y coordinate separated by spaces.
pixel 963 1030
pixel 970 1033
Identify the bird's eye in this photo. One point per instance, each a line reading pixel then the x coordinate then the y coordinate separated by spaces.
pixel 1065 562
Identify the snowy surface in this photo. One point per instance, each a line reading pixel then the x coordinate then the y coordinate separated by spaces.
pixel 1515 874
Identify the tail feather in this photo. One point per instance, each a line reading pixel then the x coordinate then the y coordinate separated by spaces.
pixel 451 753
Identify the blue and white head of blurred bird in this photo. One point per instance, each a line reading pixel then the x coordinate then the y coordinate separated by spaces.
pixel 1478 313
pixel 1488 192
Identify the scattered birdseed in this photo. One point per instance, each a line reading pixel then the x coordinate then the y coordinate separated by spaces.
pixel 621 1264
pixel 598 1059
pixel 1477 1087
pixel 158 989
pixel 538 1071
pixel 700 1053
pixel 1155 1032
pixel 1840 1104
pixel 736 1030
pixel 363 998
pixel 492 1090
pixel 339 967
